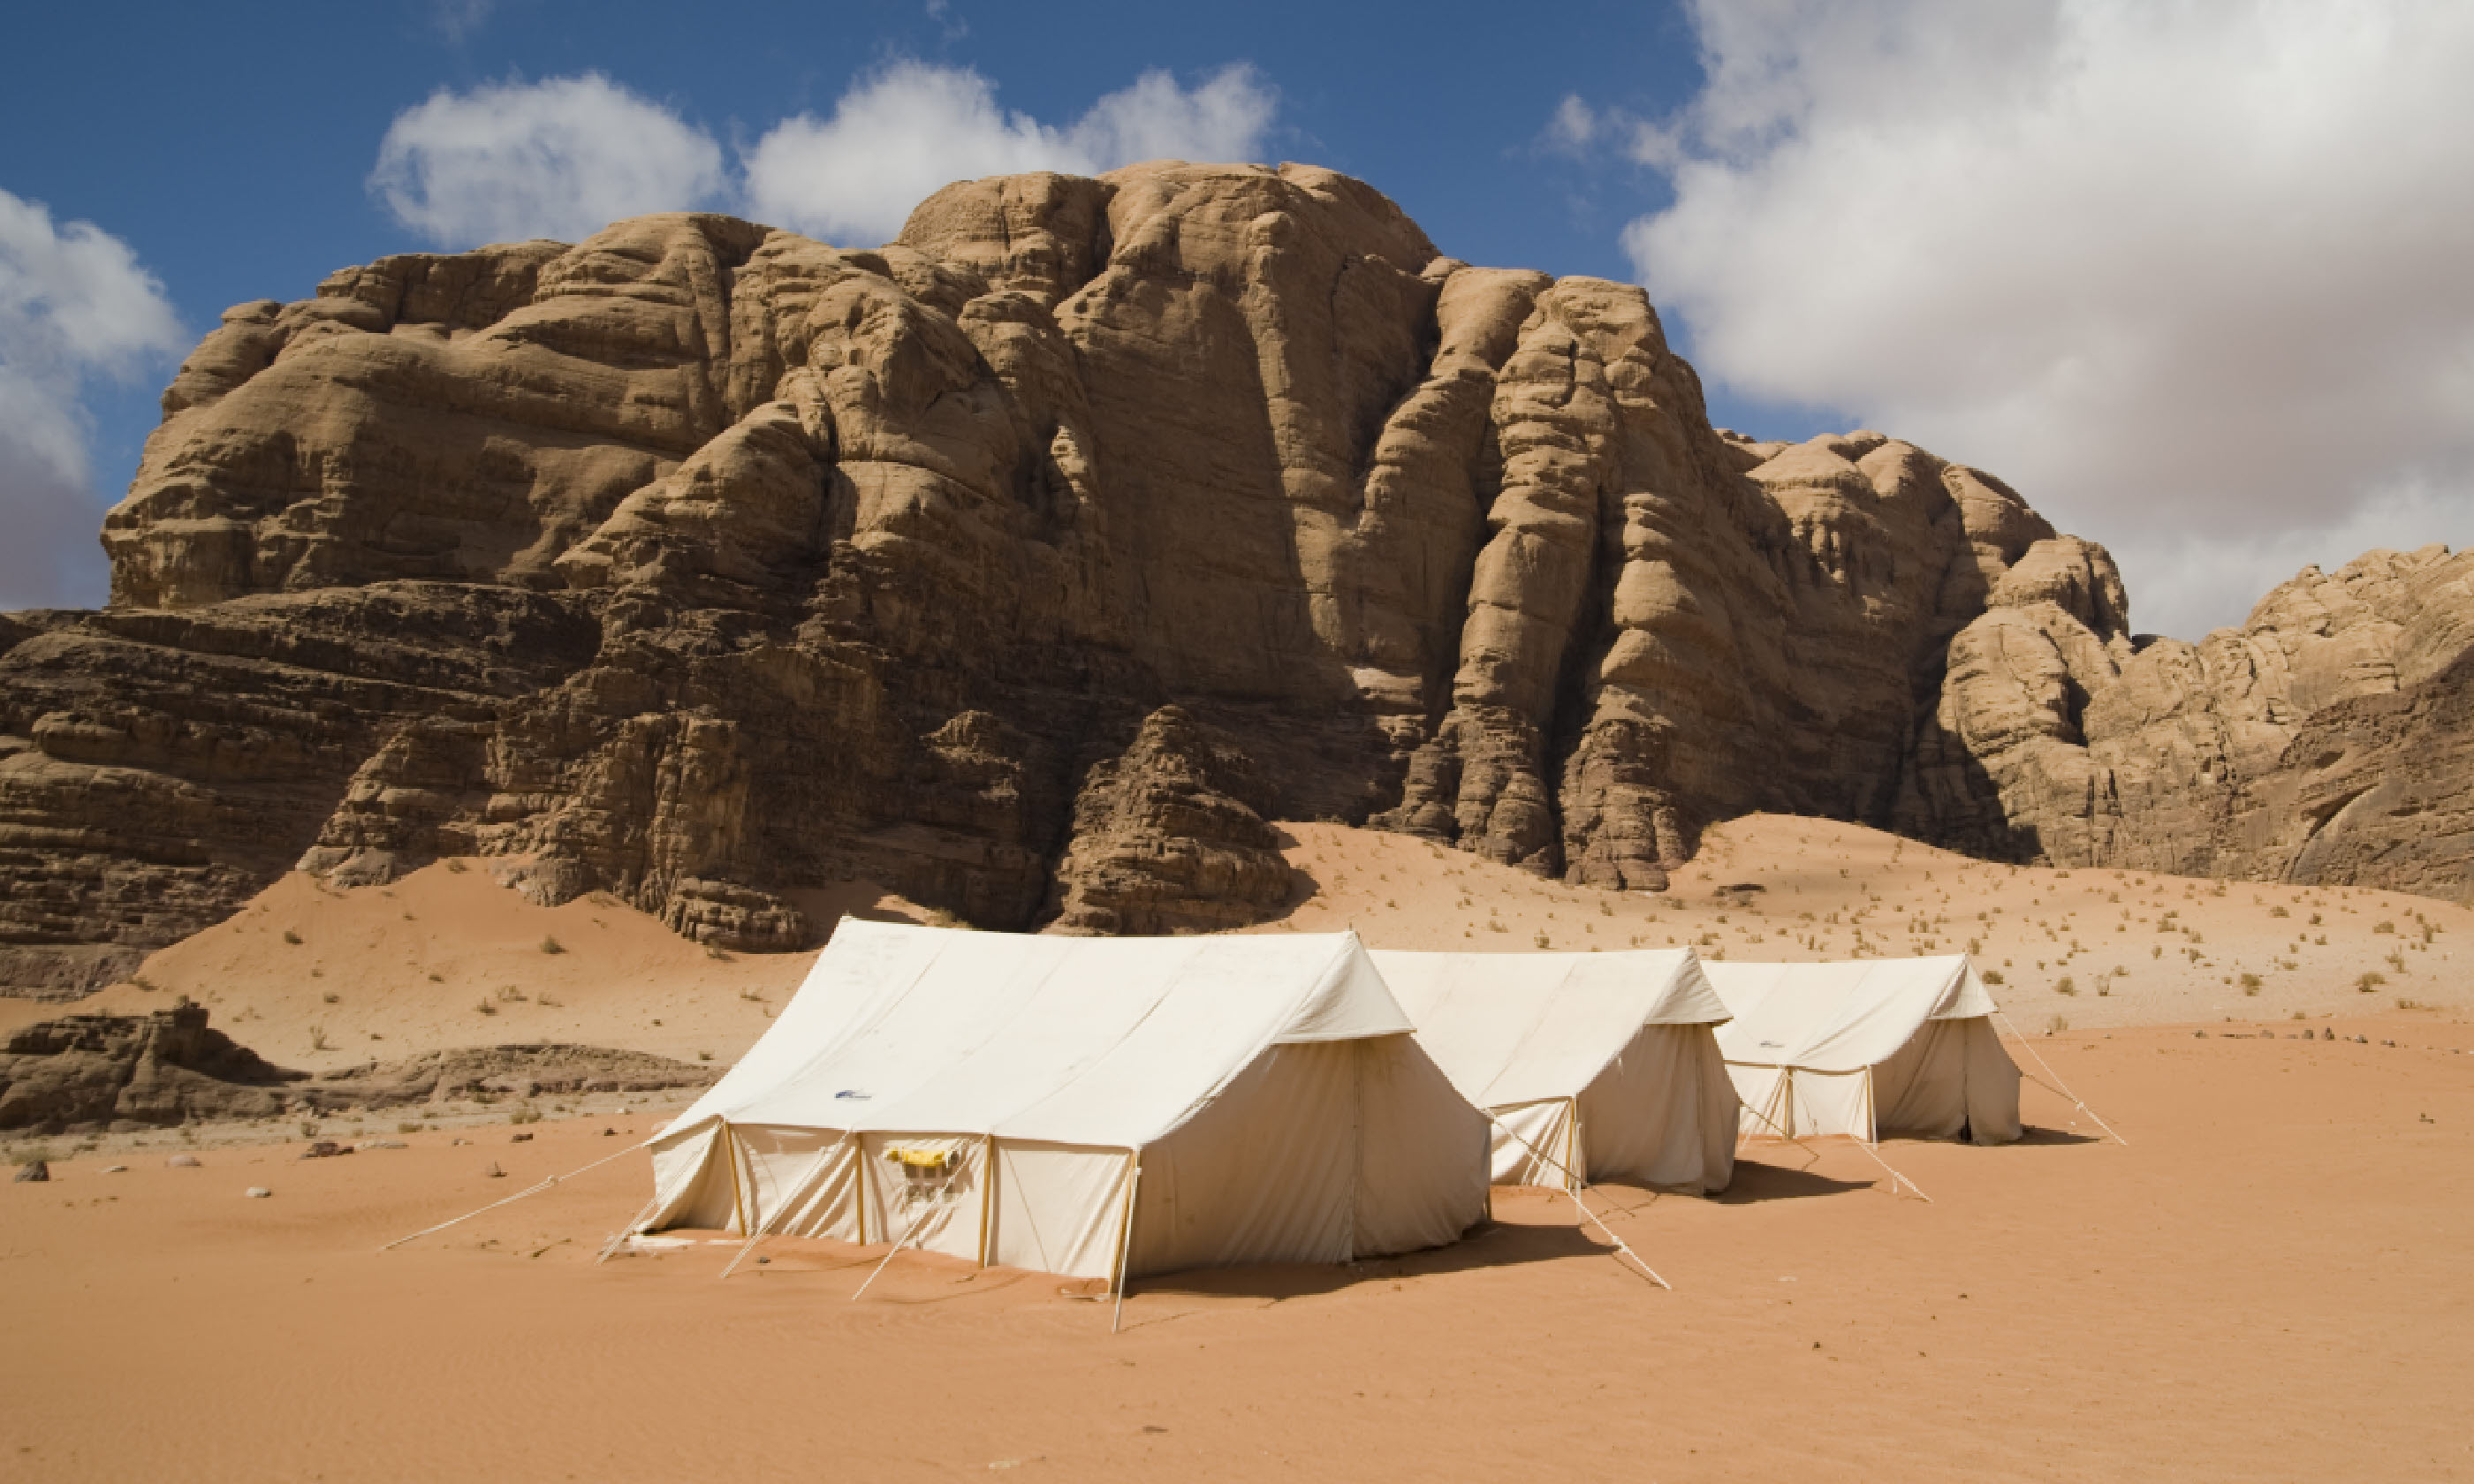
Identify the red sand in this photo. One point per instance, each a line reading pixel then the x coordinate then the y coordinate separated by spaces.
pixel 2270 1282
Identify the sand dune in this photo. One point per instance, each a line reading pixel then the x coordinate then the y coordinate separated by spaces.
pixel 2094 947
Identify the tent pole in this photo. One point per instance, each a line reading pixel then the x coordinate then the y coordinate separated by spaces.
pixel 1126 1238
pixel 2063 1087
pixel 987 1192
pixel 737 1192
pixel 859 1189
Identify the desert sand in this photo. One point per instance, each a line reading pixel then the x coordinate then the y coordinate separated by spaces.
pixel 2268 1280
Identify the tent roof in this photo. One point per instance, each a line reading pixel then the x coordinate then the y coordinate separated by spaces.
pixel 1841 1017
pixel 1514 1028
pixel 1083 1040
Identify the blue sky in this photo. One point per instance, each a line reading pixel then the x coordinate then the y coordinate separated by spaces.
pixel 2198 303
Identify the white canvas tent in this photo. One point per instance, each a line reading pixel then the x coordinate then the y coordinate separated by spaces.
pixel 1600 1065
pixel 1867 1047
pixel 994 1096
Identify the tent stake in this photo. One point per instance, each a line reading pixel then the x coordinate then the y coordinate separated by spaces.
pixel 1573 1189
pixel 2063 1089
pixel 628 1231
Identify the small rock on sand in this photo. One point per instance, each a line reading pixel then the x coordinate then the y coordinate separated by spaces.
pixel 380 1143
pixel 183 1161
pixel 257 1193
pixel 115 1169
pixel 520 1138
pixel 325 1149
pixel 32 1170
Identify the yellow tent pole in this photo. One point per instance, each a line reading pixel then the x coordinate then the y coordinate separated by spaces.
pixel 859 1175
pixel 738 1195
pixel 1126 1237
pixel 988 1193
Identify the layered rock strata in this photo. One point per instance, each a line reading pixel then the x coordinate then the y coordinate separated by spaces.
pixel 2323 740
pixel 701 562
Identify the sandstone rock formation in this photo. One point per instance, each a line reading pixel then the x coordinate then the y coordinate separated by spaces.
pixel 85 1072
pixel 701 562
pixel 1171 837
pixel 88 1073
pixel 2323 740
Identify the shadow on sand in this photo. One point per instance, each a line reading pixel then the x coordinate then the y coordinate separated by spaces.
pixel 1758 1182
pixel 2032 1134
pixel 1491 1244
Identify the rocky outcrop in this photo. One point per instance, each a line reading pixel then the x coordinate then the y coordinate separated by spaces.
pixel 705 563
pixel 1170 837
pixel 90 1073
pixel 2322 741
pixel 85 1072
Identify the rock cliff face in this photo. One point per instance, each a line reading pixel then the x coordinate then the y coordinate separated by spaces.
pixel 1031 564
pixel 2326 739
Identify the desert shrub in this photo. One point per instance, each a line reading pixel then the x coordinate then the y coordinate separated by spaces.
pixel 2278 912
pixel 1993 976
pixel 289 936
pixel 2066 984
pixel 2250 984
pixel 2384 927
pixel 551 945
pixel 524 1114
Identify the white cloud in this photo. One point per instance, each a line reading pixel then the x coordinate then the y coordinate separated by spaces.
pixel 910 128
pixel 458 19
pixel 2193 277
pixel 75 305
pixel 563 158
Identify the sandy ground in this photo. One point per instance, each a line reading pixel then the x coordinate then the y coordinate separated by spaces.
pixel 315 977
pixel 2088 947
pixel 2269 1281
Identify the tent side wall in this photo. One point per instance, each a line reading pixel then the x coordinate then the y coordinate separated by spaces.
pixel 1953 1078
pixel 1319 1152
pixel 1531 1143
pixel 1801 1103
pixel 1422 1179
pixel 1664 1114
